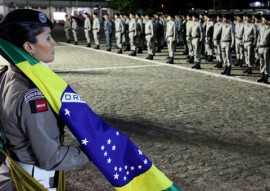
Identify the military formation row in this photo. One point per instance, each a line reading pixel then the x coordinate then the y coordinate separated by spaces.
pixel 207 36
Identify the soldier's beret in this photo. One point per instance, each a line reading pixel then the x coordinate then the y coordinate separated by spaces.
pixel 26 16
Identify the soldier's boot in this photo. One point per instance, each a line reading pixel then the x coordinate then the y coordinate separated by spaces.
pixel 266 79
pixel 225 70
pixel 133 53
pixel 228 72
pixel 97 47
pixel 198 66
pixel 88 45
pixel 149 57
pixel 249 71
pixel 76 43
pixel 246 70
pixel 262 78
pixel 127 48
pixel 238 62
pixel 68 41
pixel 120 51
pixel 170 61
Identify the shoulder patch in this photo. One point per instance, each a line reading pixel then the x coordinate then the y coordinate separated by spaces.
pixel 33 94
pixel 39 105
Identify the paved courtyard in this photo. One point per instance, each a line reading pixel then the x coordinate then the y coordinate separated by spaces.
pixel 203 130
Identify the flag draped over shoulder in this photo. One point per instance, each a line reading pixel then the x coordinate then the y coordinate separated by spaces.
pixel 124 165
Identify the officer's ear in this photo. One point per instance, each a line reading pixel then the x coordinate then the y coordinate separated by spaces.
pixel 28 47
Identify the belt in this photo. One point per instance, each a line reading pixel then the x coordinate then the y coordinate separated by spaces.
pixel 131 31
pixel 226 40
pixel 195 37
pixel 248 41
pixel 118 31
pixel 238 38
pixel 147 34
pixel 42 176
pixel 95 29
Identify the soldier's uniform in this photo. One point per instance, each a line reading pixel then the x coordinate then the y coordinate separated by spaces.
pixel 197 37
pixel 140 31
pixel 183 32
pixel 249 41
pixel 264 50
pixel 127 20
pixel 33 133
pixel 87 29
pixel 108 29
pixel 227 43
pixel 170 38
pixel 159 23
pixel 258 25
pixel 67 28
pixel 119 32
pixel 74 27
pixel 239 47
pixel 217 40
pixel 149 36
pixel 189 25
pixel 132 28
pixel 96 29
pixel 178 26
pixel 209 29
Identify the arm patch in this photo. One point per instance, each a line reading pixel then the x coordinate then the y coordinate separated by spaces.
pixel 38 106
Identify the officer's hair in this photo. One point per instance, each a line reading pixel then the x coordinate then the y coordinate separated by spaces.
pixel 19 33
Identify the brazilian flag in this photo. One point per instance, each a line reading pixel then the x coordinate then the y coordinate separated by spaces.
pixel 123 164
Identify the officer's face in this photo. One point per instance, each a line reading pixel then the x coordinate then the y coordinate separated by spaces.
pixel 43 50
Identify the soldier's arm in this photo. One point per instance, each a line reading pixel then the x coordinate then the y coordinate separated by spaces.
pixel 40 125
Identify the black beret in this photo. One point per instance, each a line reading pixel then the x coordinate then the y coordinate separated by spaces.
pixel 26 16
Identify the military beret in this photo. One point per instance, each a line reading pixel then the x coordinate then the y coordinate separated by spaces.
pixel 26 16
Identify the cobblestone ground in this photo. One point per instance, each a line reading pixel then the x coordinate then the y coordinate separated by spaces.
pixel 204 131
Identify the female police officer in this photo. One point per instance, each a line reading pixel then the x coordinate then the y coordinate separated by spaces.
pixel 33 137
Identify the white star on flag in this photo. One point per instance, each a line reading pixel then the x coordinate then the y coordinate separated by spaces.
pixel 120 169
pixel 126 167
pixel 116 176
pixel 132 168
pixel 117 133
pixel 145 161
pixel 140 167
pixel 67 112
pixel 140 152
pixel 113 147
pixel 105 154
pixel 115 168
pixel 109 160
pixel 109 141
pixel 127 172
pixel 84 142
pixel 125 178
pixel 102 147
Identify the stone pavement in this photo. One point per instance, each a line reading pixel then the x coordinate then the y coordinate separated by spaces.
pixel 203 130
